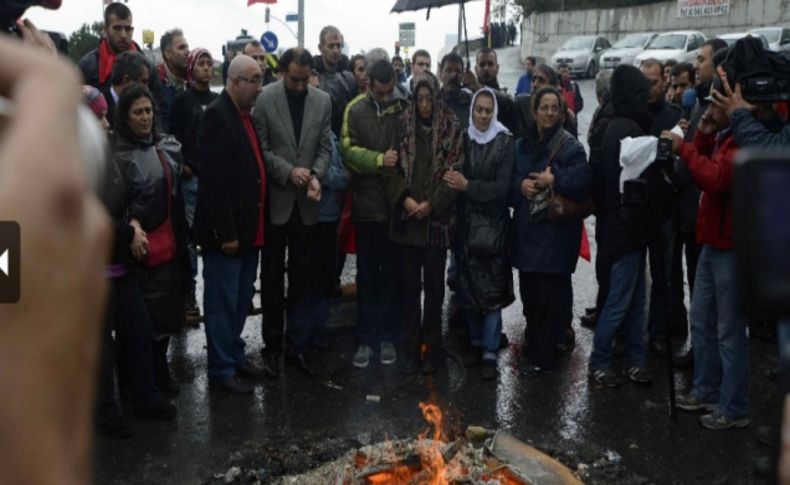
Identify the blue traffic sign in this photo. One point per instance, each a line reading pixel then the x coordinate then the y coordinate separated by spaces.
pixel 269 41
pixel 292 17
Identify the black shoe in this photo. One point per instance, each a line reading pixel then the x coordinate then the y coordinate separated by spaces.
pixel 531 370
pixel 685 360
pixel 765 436
pixel 271 365
pixel 590 310
pixel 410 363
pixel 115 428
pixel 299 360
pixel 164 411
pixel 488 372
pixel 589 320
pixel 192 314
pixel 233 385
pixel 428 364
pixel 249 370
pixel 472 357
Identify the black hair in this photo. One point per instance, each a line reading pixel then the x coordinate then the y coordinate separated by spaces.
pixel 563 65
pixel 354 59
pixel 397 58
pixel 166 41
pixel 546 90
pixel 129 63
pixel 533 60
pixel 715 44
pixel 485 51
pixel 127 98
pixel 381 72
pixel 451 57
pixel 119 10
pixel 670 63
pixel 551 75
pixel 298 55
pixel 684 67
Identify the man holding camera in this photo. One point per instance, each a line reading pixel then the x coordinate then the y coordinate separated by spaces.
pixel 718 331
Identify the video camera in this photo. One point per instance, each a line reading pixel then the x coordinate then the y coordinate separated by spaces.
pixel 762 234
pixel 662 172
pixel 764 75
pixel 11 10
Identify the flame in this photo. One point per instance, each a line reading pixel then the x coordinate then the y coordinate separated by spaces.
pixel 423 350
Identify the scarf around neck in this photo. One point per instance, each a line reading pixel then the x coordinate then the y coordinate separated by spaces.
pixel 107 60
pixel 494 129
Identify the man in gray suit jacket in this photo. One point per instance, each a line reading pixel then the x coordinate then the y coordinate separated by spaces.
pixel 294 125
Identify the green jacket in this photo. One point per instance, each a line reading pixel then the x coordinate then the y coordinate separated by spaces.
pixel 369 130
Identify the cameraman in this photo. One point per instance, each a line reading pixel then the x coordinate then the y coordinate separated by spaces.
pixel 718 330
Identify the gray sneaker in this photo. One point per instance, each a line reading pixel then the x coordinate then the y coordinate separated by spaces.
pixel 717 421
pixel 362 357
pixel 388 354
pixel 690 402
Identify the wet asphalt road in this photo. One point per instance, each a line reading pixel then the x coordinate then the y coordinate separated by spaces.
pixel 559 410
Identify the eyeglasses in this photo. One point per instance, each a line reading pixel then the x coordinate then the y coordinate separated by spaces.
pixel 251 80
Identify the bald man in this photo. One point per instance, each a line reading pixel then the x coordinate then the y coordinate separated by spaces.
pixel 229 222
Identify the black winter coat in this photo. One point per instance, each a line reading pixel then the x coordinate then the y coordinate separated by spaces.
pixel 595 139
pixel 485 281
pixel 229 192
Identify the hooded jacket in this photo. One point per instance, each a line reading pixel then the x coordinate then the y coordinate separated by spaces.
pixel 626 229
pixel 369 130
pixel 341 87
pixel 595 139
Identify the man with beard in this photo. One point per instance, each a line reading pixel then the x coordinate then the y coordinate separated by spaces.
pixel 487 71
pixel 458 99
pixel 172 72
pixel 332 78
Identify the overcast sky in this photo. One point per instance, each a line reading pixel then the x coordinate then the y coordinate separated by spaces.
pixel 209 23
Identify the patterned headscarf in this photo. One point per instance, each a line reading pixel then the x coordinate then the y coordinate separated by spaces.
pixel 446 150
pixel 192 61
pixel 95 100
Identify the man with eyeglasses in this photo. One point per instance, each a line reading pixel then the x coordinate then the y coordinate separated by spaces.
pixel 294 128
pixel 229 222
pixel 97 65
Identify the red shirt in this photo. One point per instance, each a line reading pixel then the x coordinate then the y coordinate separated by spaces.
pixel 246 121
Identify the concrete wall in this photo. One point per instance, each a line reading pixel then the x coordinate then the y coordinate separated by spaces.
pixel 542 34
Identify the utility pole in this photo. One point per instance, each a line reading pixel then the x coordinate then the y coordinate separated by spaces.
pixel 301 24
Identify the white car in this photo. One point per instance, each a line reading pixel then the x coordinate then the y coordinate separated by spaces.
pixel 778 37
pixel 582 54
pixel 730 39
pixel 625 50
pixel 682 46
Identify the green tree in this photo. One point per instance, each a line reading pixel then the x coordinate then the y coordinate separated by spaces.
pixel 84 39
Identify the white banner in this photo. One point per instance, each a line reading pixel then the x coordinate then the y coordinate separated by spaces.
pixel 703 8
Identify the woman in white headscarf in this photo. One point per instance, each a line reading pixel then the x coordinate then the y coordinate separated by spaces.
pixel 482 249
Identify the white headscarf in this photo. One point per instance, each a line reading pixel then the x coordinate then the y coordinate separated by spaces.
pixel 495 128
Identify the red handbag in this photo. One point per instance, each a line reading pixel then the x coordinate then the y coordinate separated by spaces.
pixel 162 240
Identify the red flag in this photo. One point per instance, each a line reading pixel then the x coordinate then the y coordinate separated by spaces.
pixel 252 2
pixel 487 18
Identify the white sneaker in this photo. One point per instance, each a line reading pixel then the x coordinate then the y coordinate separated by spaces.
pixel 362 357
pixel 388 354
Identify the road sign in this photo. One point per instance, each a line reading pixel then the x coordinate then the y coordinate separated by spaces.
pixel 292 17
pixel 269 41
pixel 407 34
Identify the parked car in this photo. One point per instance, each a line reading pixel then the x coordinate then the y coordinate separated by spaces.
pixel 626 49
pixel 778 37
pixel 730 39
pixel 582 53
pixel 681 45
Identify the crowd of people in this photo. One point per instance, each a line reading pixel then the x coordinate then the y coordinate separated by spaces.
pixel 434 178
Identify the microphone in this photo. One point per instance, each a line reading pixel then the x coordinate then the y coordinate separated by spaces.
pixel 688 102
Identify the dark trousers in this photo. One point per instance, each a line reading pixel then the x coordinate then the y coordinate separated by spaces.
pixel 660 257
pixel 548 305
pixel 378 289
pixel 688 242
pixel 324 247
pixel 127 312
pixel 302 290
pixel 601 266
pixel 422 268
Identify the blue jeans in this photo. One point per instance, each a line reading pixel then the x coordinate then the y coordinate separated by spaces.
pixel 718 334
pixel 484 331
pixel 226 299
pixel 189 189
pixel 625 304
pixel 378 284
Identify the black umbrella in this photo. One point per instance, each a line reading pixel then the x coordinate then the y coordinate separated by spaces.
pixel 414 5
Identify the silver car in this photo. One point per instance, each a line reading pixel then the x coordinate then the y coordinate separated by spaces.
pixel 625 50
pixel 778 37
pixel 582 54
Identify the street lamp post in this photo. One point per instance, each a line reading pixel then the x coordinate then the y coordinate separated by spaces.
pixel 301 24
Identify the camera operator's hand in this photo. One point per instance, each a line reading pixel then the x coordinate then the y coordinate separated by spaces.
pixel 49 340
pixel 470 81
pixel 676 140
pixel 34 37
pixel 684 125
pixel 731 100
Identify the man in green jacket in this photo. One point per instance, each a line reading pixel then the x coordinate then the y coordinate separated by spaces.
pixel 370 140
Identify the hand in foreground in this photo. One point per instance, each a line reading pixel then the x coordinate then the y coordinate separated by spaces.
pixel 314 190
pixel 300 176
pixel 456 180
pixel 49 340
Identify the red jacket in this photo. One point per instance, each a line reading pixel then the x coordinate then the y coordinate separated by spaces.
pixel 712 166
